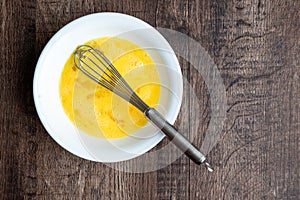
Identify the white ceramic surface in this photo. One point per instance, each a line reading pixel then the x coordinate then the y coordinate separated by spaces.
pixel 49 68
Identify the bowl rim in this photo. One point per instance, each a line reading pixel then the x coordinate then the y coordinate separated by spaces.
pixel 46 50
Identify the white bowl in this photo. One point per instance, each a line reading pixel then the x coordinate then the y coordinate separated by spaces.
pixel 49 68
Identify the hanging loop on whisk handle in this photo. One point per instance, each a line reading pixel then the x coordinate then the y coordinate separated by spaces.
pixel 176 138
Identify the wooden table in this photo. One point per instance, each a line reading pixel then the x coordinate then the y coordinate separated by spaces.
pixel 255 45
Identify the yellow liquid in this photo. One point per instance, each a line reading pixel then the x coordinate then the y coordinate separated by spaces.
pixel 97 111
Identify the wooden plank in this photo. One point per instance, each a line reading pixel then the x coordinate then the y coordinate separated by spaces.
pixel 252 43
pixel 89 180
pixel 19 122
pixel 60 174
pixel 173 180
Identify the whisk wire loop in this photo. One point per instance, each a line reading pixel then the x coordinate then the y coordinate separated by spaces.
pixel 94 64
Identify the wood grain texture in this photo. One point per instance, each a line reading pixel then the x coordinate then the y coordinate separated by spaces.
pixel 255 45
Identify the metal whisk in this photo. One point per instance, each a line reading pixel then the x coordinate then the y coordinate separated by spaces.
pixel 94 64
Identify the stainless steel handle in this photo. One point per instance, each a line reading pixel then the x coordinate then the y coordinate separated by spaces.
pixel 175 137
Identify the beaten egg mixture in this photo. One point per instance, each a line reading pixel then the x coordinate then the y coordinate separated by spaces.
pixel 97 111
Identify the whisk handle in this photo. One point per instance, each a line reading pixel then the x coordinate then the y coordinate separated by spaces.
pixel 175 137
